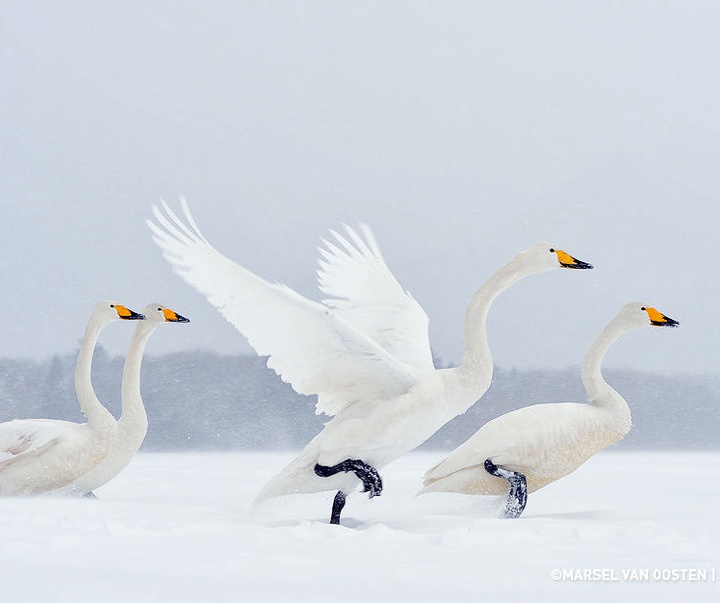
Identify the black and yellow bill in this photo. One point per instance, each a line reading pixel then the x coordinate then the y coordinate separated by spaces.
pixel 172 316
pixel 568 261
pixel 658 319
pixel 127 314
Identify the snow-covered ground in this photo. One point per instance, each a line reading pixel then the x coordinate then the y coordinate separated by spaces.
pixel 179 528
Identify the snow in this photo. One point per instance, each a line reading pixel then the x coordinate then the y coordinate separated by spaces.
pixel 179 528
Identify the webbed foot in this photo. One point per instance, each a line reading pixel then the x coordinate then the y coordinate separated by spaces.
pixel 367 474
pixel 517 496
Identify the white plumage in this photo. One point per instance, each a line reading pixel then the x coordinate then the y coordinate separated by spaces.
pixel 47 454
pixel 545 442
pixel 133 424
pixel 364 351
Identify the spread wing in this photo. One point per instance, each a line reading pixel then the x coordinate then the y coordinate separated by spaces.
pixel 307 343
pixel 366 295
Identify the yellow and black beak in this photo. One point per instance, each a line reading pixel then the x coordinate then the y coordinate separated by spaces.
pixel 658 319
pixel 568 261
pixel 126 314
pixel 172 316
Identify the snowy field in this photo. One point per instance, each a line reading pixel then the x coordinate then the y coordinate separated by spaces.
pixel 179 528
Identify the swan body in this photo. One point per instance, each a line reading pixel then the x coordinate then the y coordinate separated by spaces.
pixel 47 454
pixel 364 351
pixel 545 442
pixel 132 424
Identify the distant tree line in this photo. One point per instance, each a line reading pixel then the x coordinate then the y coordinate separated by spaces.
pixel 200 400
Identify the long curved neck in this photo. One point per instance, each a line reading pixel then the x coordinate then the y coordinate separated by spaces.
pixel 89 403
pixel 599 392
pixel 477 355
pixel 132 404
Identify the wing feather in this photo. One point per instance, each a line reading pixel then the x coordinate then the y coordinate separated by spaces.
pixel 364 293
pixel 307 343
pixel 20 436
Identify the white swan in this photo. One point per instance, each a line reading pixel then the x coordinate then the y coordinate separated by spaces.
pixel 132 424
pixel 48 454
pixel 536 445
pixel 364 352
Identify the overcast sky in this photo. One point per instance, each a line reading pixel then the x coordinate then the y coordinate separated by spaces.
pixel 461 132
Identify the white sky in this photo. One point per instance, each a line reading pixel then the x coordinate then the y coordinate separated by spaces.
pixel 460 132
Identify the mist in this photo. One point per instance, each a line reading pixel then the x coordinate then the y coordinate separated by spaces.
pixel 206 401
pixel 460 133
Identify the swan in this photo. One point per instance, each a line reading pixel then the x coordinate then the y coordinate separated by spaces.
pixel 132 424
pixel 364 351
pixel 48 454
pixel 533 446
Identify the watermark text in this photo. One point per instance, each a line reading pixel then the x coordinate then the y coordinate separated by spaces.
pixel 640 574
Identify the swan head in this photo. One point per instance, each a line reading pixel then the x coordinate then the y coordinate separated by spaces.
pixel 545 256
pixel 644 315
pixel 161 313
pixel 111 310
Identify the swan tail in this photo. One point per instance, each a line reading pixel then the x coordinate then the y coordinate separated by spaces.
pixel 299 477
pixel 296 478
pixel 469 480
pixel 431 486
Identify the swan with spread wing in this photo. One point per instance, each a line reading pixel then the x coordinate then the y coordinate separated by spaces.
pixel 364 351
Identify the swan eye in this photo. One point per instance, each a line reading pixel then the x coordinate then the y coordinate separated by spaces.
pixel 552 250
pixel 159 309
pixel 112 305
pixel 643 308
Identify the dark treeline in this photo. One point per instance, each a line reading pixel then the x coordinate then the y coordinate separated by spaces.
pixel 200 400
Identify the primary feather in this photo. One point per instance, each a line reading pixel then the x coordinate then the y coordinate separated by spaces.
pixel 366 295
pixel 317 348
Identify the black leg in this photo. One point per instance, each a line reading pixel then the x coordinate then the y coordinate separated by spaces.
pixel 338 505
pixel 89 495
pixel 367 474
pixel 517 496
